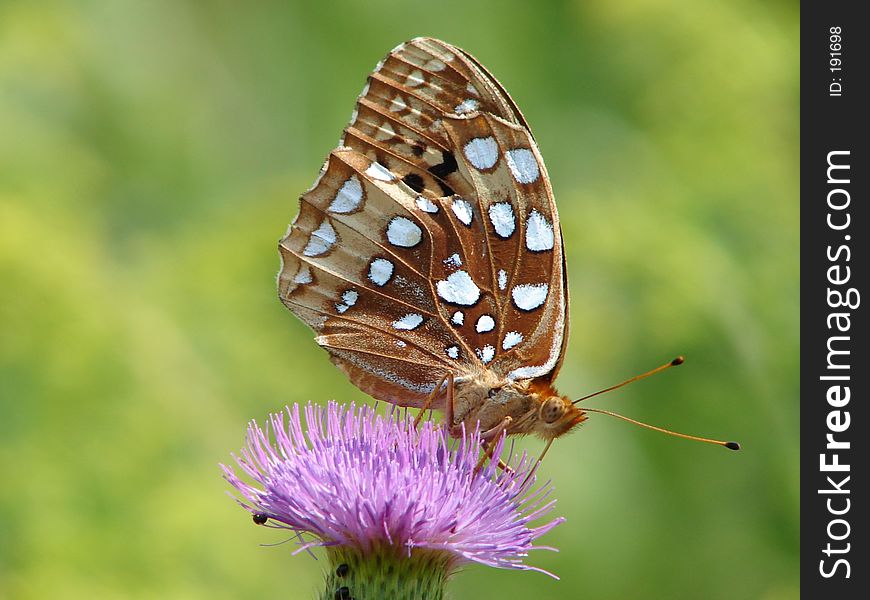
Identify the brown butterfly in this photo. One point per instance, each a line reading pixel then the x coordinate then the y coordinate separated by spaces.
pixel 428 255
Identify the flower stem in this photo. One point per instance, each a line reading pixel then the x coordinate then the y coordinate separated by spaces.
pixel 386 573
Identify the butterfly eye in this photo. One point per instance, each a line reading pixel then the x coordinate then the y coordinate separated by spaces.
pixel 552 410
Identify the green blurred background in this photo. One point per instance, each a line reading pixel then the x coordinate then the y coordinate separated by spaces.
pixel 152 153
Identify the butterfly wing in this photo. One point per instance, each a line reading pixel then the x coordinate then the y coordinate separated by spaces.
pixel 430 242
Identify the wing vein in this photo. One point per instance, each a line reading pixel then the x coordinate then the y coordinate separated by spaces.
pixel 351 282
pixel 374 242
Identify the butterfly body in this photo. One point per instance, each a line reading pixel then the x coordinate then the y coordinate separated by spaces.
pixel 534 406
pixel 428 252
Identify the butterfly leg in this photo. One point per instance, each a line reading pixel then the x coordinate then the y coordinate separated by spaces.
pixel 448 377
pixel 491 434
pixel 490 439
pixel 503 465
pixel 488 450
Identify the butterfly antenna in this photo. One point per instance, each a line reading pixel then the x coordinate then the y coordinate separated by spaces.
pixel 674 363
pixel 729 445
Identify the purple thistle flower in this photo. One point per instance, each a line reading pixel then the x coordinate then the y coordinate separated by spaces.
pixel 364 482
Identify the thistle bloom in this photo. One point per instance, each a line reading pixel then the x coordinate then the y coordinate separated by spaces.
pixel 394 506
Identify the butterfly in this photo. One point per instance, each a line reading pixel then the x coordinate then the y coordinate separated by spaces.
pixel 428 256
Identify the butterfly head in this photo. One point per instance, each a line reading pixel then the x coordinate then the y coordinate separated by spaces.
pixel 549 415
pixel 556 415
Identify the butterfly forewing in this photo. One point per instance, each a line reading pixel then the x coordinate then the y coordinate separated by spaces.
pixel 430 243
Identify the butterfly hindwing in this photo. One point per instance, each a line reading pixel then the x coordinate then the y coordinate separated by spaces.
pixel 523 244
